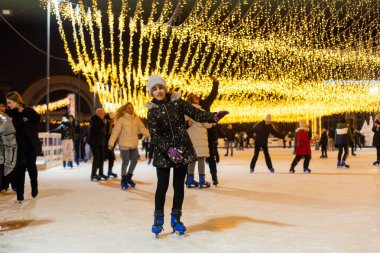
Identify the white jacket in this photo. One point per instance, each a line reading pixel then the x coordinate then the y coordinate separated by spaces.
pixel 198 135
pixel 126 132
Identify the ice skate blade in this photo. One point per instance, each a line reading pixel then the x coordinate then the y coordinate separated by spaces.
pixel 178 234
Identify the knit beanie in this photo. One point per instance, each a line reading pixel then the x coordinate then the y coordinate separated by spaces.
pixel 155 80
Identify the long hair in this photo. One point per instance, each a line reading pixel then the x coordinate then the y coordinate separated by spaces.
pixel 120 111
pixel 15 97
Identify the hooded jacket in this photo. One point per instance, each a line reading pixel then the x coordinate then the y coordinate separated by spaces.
pixel 167 127
pixel 198 135
pixel 302 141
pixel 8 144
pixel 126 131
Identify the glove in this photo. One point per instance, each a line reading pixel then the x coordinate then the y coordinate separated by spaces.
pixel 175 155
pixel 219 115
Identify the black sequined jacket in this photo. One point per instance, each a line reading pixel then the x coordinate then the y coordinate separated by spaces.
pixel 167 127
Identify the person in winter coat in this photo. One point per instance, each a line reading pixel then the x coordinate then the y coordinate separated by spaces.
pixel 198 136
pixel 262 130
pixel 126 130
pixel 109 154
pixel 25 121
pixel 8 146
pixel 229 138
pixel 212 131
pixel 343 138
pixel 97 138
pixel 324 142
pixel 172 147
pixel 78 136
pixel 67 141
pixel 302 146
pixel 376 138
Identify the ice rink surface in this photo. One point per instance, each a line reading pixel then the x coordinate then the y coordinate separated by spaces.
pixel 329 210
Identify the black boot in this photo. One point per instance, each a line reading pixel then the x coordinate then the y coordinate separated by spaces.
pixel 214 177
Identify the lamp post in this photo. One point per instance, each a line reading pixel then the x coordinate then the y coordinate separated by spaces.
pixel 48 68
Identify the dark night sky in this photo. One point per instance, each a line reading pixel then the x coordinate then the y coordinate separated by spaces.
pixel 20 63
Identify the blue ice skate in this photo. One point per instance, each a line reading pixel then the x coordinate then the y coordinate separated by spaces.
pixel 130 181
pixel 124 183
pixel 191 183
pixel 158 222
pixel 176 223
pixel 202 182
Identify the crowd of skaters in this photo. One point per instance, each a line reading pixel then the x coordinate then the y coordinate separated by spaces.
pixel 187 137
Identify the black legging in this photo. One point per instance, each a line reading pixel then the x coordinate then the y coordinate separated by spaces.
pixel 266 154
pixel 305 162
pixel 98 159
pixel 378 153
pixel 163 176
pixel 211 159
pixel 324 150
pixel 341 147
pixel 28 164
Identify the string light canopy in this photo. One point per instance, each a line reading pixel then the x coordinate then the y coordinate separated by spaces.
pixel 288 58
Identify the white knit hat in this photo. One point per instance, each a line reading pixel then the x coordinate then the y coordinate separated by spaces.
pixel 155 80
pixel 268 118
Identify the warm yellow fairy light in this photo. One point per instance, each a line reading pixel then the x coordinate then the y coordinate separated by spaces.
pixel 270 57
pixel 41 109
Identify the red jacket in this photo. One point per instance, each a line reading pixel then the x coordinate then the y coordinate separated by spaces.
pixel 303 142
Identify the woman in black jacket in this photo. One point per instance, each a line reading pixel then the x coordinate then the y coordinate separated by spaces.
pixel 172 147
pixel 323 142
pixel 376 138
pixel 25 121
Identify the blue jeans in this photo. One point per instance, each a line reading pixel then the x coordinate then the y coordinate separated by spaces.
pixel 126 156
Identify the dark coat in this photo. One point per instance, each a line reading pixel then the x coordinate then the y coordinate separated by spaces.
pixel 230 135
pixel 167 127
pixel 343 135
pixel 25 123
pixel 262 132
pixel 376 136
pixel 302 142
pixel 324 139
pixel 97 132
pixel 66 130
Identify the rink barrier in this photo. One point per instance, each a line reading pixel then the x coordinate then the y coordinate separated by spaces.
pixel 51 155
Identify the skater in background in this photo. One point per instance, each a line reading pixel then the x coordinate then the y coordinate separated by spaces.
pixel 109 153
pixel 96 139
pixel 126 132
pixel 324 142
pixel 8 149
pixel 376 138
pixel 343 138
pixel 212 138
pixel 173 147
pixel 261 132
pixel 302 147
pixel 198 136
pixel 331 141
pixel 25 120
pixel 66 130
pixel 229 138
pixel 78 135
